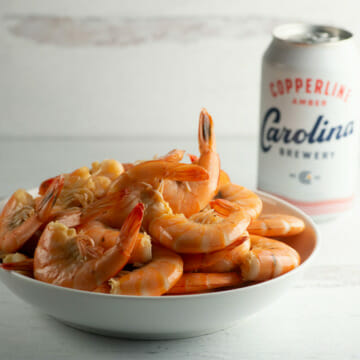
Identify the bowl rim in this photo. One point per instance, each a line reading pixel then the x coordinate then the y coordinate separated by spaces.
pixel 190 296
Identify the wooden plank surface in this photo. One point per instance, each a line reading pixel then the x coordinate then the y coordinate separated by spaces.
pixel 81 68
pixel 314 323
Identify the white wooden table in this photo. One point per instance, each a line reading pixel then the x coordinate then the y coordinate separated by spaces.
pixel 319 318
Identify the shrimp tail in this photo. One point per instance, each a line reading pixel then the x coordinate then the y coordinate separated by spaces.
pixel 206 132
pixel 49 199
pixel 45 185
pixel 25 265
pixel 224 207
pixel 131 228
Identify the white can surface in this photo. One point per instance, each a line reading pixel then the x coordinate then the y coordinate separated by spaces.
pixel 309 124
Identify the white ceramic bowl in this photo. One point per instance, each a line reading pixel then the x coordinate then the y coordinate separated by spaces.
pixel 165 317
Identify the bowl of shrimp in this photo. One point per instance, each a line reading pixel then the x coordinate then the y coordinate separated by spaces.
pixel 154 249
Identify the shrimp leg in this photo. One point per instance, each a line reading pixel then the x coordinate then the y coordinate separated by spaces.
pixel 153 279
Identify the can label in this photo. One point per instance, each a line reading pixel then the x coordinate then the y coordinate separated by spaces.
pixel 308 138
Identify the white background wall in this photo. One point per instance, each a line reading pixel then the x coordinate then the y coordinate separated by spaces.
pixel 141 67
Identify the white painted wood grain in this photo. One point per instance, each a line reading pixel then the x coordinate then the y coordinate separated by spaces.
pixel 332 276
pixel 83 90
pixel 313 10
pixel 90 67
pixel 95 31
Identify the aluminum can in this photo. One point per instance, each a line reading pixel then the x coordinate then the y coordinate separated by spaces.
pixel 309 118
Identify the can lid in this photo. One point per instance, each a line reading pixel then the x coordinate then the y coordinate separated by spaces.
pixel 310 34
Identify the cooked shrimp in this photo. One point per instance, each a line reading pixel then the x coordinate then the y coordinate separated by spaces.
pixel 73 217
pixel 109 168
pixel 106 237
pixel 65 258
pixel 179 233
pixel 153 279
pixel 82 173
pixel 276 225
pixel 146 172
pixel 189 198
pixel 182 235
pixel 225 260
pixel 224 178
pixel 142 252
pixel 84 185
pixel 104 288
pixel 78 190
pixel 18 262
pixel 207 216
pixel 22 216
pixel 191 283
pixel 267 259
pixel 175 155
pixel 185 194
pixel 14 258
pixel 154 171
pixel 103 173
pixel 241 196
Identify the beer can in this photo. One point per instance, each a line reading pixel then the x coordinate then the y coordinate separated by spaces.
pixel 309 118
